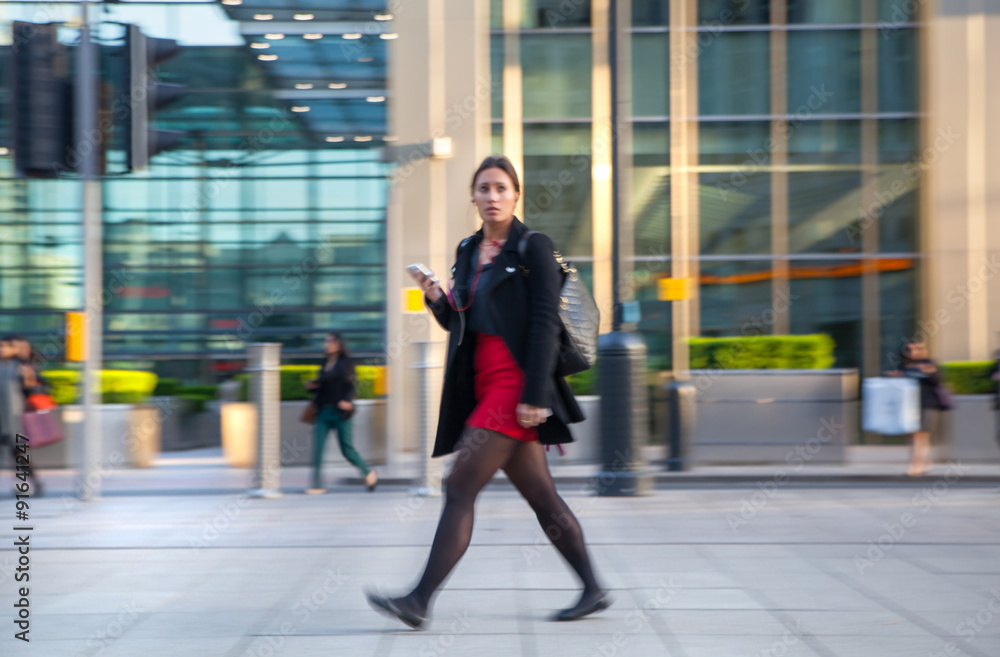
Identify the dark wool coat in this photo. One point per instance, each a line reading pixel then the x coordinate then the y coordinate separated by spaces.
pixel 524 305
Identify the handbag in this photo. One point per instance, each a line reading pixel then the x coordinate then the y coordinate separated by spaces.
pixel 39 401
pixel 579 316
pixel 346 415
pixel 308 414
pixel 42 428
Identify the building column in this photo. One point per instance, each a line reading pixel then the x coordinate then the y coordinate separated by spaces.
pixel 871 316
pixel 961 157
pixel 439 82
pixel 780 293
pixel 684 242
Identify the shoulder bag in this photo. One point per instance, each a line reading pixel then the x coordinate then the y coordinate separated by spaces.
pixel 579 315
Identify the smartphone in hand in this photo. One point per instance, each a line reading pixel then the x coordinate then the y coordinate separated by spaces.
pixel 419 268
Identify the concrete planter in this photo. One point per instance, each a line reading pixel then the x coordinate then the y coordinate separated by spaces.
pixel 586 445
pixel 775 416
pixel 183 429
pixel 970 431
pixel 239 434
pixel 131 436
pixel 369 434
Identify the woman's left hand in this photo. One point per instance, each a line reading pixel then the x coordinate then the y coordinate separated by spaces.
pixel 531 416
pixel 344 405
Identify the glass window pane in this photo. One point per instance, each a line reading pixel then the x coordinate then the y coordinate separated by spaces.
pixel 650 195
pixel 825 297
pixel 734 213
pixel 824 72
pixel 734 74
pixel 824 142
pixel 496 14
pixel 649 13
pixel 735 142
pixel 554 13
pixel 734 12
pixel 894 13
pixel 898 141
pixel 898 289
pixel 823 212
pixel 735 299
pixel 556 69
pixel 894 209
pixel 497 138
pixel 496 75
pixel 824 11
pixel 557 185
pixel 650 75
pixel 898 69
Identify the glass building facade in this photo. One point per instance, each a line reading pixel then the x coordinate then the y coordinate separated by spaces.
pixel 267 224
pixel 807 130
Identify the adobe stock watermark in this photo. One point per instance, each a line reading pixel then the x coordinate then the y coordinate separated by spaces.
pixel 911 171
pixel 441 644
pixel 923 502
pixel 971 626
pixel 758 157
pixel 902 13
pixel 796 458
pixel 637 619
pixel 114 630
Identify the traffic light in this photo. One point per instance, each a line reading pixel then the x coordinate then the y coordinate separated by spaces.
pixel 42 100
pixel 143 94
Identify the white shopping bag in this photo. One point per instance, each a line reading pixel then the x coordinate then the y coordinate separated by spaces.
pixel 891 405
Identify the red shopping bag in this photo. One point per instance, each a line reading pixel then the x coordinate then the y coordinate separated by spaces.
pixel 40 401
pixel 42 428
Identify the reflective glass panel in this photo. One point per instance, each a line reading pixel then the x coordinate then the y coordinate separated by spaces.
pixel 734 73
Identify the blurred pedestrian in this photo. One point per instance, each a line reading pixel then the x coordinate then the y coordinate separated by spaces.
pixel 501 399
pixel 334 402
pixel 13 373
pixel 916 364
pixel 995 376
pixel 32 383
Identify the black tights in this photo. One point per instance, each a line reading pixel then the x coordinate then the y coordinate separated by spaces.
pixel 481 453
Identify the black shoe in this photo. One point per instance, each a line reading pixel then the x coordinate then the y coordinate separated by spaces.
pixel 387 606
pixel 585 608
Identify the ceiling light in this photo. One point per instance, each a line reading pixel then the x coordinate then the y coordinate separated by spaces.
pixel 260 46
pixel 303 17
pixel 267 58
pixel 365 60
pixel 304 85
pixel 390 138
pixel 334 140
pixel 4 150
pixel 263 17
pixel 352 35
pixel 337 85
pixel 383 17
pixel 300 108
pixel 362 139
pixel 388 36
pixel 375 99
pixel 312 35
pixel 232 2
pixel 274 36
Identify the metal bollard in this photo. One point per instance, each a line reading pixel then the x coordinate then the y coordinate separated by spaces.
pixel 621 373
pixel 265 392
pixel 428 374
pixel 683 414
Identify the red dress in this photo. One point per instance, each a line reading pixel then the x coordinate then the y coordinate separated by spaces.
pixel 499 383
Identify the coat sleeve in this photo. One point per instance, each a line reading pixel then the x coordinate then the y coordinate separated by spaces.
pixel 441 309
pixel 544 281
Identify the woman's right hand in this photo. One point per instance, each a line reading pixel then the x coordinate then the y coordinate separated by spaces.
pixel 430 285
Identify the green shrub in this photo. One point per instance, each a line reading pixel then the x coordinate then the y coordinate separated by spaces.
pixel 197 401
pixel 293 381
pixel 583 383
pixel 166 387
pixel 209 391
pixel 970 377
pixel 117 386
pixel 768 352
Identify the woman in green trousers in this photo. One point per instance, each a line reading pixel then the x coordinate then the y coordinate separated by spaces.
pixel 334 403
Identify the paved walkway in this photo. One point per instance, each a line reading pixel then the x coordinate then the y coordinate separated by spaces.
pixel 754 568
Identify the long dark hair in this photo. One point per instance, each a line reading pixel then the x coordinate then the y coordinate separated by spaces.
pixel 344 353
pixel 497 162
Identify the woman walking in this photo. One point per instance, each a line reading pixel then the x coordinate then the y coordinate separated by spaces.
pixel 916 364
pixel 501 399
pixel 334 407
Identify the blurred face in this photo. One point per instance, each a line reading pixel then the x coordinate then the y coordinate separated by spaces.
pixel 23 349
pixel 494 196
pixel 7 350
pixel 917 350
pixel 331 346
